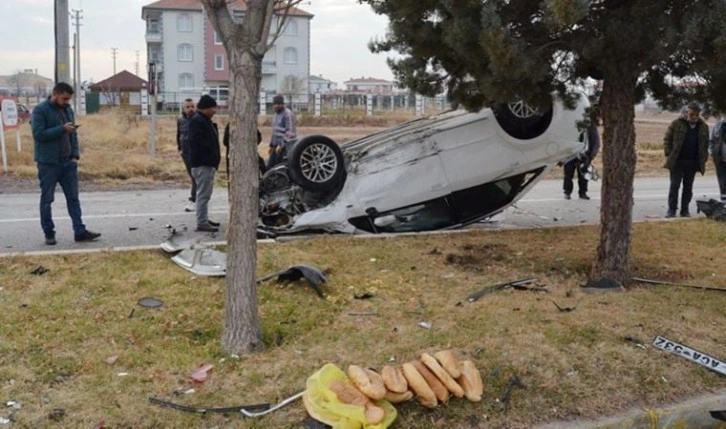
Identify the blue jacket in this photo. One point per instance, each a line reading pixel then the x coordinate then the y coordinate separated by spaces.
pixel 48 133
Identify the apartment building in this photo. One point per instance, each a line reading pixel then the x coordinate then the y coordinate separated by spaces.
pixel 190 58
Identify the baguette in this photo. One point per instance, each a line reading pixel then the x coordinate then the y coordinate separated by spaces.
pixel 393 379
pixel 470 381
pixel 450 363
pixel 442 375
pixel 397 398
pixel 441 392
pixel 367 381
pixel 424 395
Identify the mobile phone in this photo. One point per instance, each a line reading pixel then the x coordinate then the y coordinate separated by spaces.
pixel 77 125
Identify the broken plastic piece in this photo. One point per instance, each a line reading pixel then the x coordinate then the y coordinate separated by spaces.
pixel 200 374
pixel 111 360
pixel 425 325
pixel 39 271
pixel 313 275
pixel 276 407
pixel 489 289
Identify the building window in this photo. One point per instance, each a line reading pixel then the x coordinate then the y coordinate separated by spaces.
pixel 154 56
pixel 291 27
pixel 217 40
pixel 290 56
pixel 219 62
pixel 153 27
pixel 185 52
pixel 186 81
pixel 184 23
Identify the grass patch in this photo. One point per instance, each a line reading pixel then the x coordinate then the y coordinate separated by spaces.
pixel 58 329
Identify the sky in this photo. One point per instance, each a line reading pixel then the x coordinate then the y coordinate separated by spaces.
pixel 340 32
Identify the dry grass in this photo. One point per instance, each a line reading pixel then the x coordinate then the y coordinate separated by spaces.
pixel 58 328
pixel 116 149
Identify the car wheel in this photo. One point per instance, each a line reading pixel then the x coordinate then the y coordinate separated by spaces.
pixel 521 121
pixel 275 179
pixel 316 163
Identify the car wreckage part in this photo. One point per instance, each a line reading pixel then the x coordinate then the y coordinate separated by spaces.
pixel 316 163
pixel 275 408
pixel 694 356
pixel 521 121
pixel 489 289
pixel 204 410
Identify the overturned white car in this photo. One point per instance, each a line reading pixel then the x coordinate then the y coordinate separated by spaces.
pixel 438 172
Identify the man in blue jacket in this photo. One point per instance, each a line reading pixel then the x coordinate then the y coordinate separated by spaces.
pixel 56 156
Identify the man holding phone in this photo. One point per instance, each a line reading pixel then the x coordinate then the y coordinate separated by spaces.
pixel 56 156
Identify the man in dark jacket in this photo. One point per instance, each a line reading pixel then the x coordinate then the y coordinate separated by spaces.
pixel 581 163
pixel 182 143
pixel 56 155
pixel 686 148
pixel 204 158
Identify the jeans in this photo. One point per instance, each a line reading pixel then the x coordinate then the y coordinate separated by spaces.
pixel 569 170
pixel 66 174
pixel 721 175
pixel 204 177
pixel 188 166
pixel 684 171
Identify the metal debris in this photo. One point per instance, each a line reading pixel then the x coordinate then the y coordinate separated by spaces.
pixel 203 410
pixel 499 286
pixel 313 275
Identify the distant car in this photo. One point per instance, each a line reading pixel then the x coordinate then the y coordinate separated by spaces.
pixel 439 172
pixel 24 115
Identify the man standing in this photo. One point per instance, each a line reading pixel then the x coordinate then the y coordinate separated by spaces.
pixel 686 149
pixel 56 156
pixel 581 164
pixel 182 143
pixel 204 158
pixel 717 150
pixel 284 128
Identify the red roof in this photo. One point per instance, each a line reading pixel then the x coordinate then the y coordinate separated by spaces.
pixel 369 81
pixel 197 5
pixel 122 81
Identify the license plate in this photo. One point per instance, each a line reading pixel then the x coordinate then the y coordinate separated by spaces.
pixel 686 352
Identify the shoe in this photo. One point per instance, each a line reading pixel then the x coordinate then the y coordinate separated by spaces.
pixel 685 214
pixel 214 224
pixel 190 207
pixel 584 197
pixel 50 239
pixel 670 214
pixel 207 228
pixel 567 196
pixel 87 236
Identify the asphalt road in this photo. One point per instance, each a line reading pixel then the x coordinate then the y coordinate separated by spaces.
pixel 143 218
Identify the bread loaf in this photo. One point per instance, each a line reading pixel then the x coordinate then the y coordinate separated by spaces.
pixel 442 375
pixel 441 392
pixel 393 379
pixel 367 381
pixel 424 395
pixel 349 394
pixel 450 363
pixel 397 398
pixel 470 381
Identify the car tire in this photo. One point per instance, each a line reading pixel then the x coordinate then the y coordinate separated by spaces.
pixel 520 121
pixel 316 164
pixel 275 179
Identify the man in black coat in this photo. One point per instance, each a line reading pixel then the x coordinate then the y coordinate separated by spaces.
pixel 204 158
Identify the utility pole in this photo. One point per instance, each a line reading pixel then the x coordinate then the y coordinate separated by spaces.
pixel 136 64
pixel 62 44
pixel 77 58
pixel 113 55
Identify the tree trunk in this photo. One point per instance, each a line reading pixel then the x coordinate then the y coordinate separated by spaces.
pixel 242 331
pixel 619 157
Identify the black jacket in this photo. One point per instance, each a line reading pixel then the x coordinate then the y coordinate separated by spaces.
pixel 203 142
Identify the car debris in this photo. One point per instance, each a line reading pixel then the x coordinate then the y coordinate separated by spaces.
pixel 39 271
pixel 686 352
pixel 499 286
pixel 201 373
pixel 313 275
pixel 711 208
pixel 148 302
pixel 433 173
pixel 687 285
pixel 202 262
pixel 426 325
pixel 273 408
pixel 718 415
pixel 506 396
pixel 564 309
pixel 204 410
pixel 637 341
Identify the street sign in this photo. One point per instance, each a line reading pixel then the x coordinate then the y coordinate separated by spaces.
pixel 9 113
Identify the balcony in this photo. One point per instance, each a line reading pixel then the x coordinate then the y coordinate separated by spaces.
pixel 153 37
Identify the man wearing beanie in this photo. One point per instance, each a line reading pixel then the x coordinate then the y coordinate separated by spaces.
pixel 204 158
pixel 284 129
pixel 686 149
